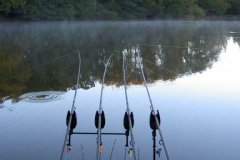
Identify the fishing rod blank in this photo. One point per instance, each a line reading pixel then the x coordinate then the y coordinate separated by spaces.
pixel 130 123
pixel 112 149
pixel 82 152
pixel 72 110
pixel 100 111
pixel 151 106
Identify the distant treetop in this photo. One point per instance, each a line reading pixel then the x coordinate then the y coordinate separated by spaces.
pixel 116 9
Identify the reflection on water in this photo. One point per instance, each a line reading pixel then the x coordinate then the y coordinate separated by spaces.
pixel 46 96
pixel 40 56
pixel 223 76
pixel 192 69
pixel 8 116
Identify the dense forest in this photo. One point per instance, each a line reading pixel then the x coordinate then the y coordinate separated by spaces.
pixel 116 9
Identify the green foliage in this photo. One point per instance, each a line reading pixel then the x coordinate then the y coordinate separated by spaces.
pixel 154 7
pixel 115 9
pixel 182 8
pixel 132 9
pixel 13 6
pixel 234 7
pixel 216 7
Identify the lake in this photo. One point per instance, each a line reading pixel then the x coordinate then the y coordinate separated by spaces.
pixel 192 71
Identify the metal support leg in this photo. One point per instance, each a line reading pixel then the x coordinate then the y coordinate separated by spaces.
pixel 154 144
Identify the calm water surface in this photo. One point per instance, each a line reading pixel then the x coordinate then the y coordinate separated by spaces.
pixel 192 69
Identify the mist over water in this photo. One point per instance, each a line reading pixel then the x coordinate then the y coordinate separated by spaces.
pixel 191 67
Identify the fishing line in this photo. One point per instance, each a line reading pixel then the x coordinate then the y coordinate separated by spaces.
pixel 152 107
pixel 40 65
pixel 174 46
pixel 128 109
pixel 37 67
pixel 73 108
pixel 112 149
pixel 125 153
pixel 85 154
pixel 138 154
pixel 11 107
pixel 99 145
pixel 150 62
pixel 167 69
pixel 82 152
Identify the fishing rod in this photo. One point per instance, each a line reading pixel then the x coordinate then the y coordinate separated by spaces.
pixel 130 123
pixel 72 109
pixel 82 152
pixel 152 107
pixel 112 149
pixel 138 154
pixel 100 114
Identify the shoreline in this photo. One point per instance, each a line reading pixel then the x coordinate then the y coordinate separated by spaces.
pixel 206 18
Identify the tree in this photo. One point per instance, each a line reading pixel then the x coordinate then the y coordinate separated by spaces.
pixel 13 6
pixel 154 7
pixel 181 8
pixel 132 9
pixel 234 8
pixel 218 7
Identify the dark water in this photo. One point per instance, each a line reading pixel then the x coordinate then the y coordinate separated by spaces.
pixel 192 69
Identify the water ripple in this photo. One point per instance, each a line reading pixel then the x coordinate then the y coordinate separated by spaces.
pixel 45 96
pixel 7 118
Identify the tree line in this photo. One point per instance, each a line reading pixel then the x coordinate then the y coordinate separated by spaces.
pixel 117 9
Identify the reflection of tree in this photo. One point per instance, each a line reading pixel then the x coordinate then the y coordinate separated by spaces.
pixel 13 81
pixel 237 40
pixel 183 49
pixel 234 32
